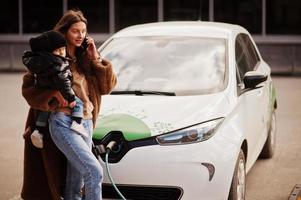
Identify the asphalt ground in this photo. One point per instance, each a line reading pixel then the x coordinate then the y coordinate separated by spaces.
pixel 271 179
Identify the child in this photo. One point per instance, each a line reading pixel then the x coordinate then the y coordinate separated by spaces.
pixel 51 68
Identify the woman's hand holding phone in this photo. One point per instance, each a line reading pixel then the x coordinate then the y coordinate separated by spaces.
pixel 91 48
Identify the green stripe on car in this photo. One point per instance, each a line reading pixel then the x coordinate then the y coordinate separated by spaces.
pixel 131 127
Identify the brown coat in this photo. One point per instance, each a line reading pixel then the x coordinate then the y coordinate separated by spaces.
pixel 44 169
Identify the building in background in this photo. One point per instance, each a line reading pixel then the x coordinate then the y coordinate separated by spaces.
pixel 275 24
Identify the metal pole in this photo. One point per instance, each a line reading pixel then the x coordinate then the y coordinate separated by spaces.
pixel 263 25
pixel 160 10
pixel 211 10
pixel 20 10
pixel 12 56
pixel 112 16
pixel 65 6
pixel 293 58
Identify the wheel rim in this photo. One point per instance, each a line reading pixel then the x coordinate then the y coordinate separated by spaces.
pixel 241 180
pixel 273 131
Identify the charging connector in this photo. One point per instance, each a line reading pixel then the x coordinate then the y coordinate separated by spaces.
pixel 110 148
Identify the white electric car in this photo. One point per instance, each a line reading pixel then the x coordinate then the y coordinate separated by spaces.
pixel 193 109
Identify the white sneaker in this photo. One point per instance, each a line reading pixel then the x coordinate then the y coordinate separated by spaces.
pixel 37 139
pixel 79 128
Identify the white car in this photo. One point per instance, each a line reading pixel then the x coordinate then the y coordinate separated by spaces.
pixel 193 109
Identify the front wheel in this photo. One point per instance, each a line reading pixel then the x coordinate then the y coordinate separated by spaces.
pixel 238 185
pixel 269 146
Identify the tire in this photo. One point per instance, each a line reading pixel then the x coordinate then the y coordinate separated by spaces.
pixel 238 185
pixel 270 144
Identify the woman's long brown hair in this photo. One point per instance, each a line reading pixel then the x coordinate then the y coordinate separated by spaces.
pixel 63 25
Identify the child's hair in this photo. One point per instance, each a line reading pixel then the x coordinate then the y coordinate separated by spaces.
pixel 47 41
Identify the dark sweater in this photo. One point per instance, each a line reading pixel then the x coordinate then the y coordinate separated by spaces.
pixel 51 72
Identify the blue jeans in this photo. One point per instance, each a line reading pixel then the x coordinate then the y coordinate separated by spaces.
pixel 78 109
pixel 42 118
pixel 82 167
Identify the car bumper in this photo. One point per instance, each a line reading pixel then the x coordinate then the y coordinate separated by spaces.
pixel 192 169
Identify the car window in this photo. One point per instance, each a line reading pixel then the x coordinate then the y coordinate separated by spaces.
pixel 241 57
pixel 253 56
pixel 182 65
pixel 247 58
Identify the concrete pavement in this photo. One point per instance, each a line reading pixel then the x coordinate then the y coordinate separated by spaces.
pixel 13 110
pixel 271 179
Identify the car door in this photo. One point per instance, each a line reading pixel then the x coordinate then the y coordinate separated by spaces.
pixel 251 100
pixel 262 67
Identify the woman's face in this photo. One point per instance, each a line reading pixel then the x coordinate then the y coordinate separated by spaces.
pixel 76 34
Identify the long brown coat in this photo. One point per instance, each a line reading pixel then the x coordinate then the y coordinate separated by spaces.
pixel 45 169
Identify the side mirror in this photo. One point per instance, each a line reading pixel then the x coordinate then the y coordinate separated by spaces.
pixel 253 78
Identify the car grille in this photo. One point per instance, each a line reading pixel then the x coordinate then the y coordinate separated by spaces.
pixel 142 193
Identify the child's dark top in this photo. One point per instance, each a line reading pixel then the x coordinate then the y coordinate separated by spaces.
pixel 51 72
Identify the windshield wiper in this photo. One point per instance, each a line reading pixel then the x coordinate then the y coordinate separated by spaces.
pixel 141 92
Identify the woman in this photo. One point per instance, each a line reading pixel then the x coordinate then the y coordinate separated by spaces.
pixel 92 77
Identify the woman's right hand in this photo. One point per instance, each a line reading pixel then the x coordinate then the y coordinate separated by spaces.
pixel 41 99
pixel 57 101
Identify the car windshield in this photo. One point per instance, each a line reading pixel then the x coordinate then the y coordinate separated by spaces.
pixel 181 65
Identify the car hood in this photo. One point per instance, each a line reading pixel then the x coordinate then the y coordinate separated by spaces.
pixel 139 117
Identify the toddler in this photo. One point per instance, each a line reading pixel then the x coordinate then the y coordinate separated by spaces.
pixel 47 60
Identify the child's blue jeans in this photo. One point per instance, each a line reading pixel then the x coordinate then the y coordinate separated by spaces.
pixel 77 111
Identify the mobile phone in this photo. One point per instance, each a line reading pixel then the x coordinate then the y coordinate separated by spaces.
pixel 84 44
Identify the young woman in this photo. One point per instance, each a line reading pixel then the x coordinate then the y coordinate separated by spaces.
pixel 92 77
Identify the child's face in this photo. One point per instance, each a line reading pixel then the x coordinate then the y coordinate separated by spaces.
pixel 60 51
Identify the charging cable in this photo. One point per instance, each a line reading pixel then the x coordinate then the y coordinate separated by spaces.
pixel 109 148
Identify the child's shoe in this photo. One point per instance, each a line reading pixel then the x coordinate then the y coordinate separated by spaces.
pixel 37 139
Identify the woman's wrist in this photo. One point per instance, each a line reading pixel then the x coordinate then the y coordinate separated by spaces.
pixel 97 58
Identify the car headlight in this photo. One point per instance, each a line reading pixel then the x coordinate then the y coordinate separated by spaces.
pixel 193 134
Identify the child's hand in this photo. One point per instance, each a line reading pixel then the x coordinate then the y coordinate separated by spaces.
pixel 72 104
